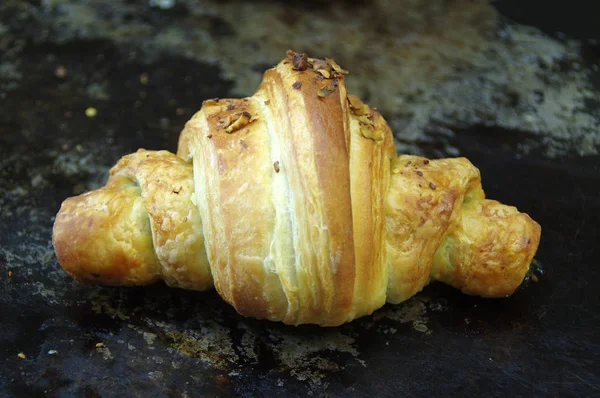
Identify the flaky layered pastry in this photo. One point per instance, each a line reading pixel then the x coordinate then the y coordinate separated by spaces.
pixel 294 204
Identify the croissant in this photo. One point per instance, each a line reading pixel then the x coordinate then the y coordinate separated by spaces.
pixel 294 205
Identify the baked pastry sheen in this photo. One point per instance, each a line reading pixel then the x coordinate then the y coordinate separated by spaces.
pixel 294 204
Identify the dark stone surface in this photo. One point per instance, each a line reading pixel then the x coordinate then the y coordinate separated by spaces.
pixel 168 342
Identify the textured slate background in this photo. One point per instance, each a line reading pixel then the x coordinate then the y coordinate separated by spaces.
pixel 167 342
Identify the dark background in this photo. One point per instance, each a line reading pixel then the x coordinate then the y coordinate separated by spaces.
pixel 576 19
pixel 541 341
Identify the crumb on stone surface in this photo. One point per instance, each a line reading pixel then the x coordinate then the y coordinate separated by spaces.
pixel 91 112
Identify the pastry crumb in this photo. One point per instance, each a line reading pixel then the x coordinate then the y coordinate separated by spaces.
pixel 60 72
pixel 91 112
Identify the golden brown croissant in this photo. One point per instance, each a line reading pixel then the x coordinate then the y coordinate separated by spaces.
pixel 294 204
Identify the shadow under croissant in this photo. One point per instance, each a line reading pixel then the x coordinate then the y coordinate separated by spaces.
pixel 294 204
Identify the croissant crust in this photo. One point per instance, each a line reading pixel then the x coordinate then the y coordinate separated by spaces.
pixel 294 205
